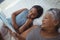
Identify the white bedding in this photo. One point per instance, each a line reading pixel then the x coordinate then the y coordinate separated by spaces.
pixel 6 22
pixel 1 24
pixel 6 35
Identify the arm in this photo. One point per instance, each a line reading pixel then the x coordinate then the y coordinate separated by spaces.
pixel 17 36
pixel 31 35
pixel 25 26
pixel 24 34
pixel 14 18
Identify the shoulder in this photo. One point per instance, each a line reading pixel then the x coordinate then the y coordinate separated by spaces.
pixel 32 35
pixel 35 29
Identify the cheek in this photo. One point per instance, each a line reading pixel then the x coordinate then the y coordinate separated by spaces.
pixel 50 23
pixel 32 16
pixel 47 22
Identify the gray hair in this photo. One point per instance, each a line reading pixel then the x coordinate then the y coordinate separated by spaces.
pixel 55 13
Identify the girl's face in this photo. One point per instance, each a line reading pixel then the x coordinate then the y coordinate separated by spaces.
pixel 32 13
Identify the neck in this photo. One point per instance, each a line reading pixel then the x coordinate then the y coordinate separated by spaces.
pixel 49 32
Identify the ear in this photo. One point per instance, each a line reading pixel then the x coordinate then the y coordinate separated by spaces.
pixel 56 22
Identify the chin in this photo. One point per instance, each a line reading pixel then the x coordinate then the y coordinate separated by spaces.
pixel 42 26
pixel 32 17
pixel 43 29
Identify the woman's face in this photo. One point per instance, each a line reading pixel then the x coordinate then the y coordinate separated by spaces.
pixel 48 22
pixel 32 13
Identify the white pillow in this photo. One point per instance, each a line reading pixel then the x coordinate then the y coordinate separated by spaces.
pixel 1 24
pixel 37 21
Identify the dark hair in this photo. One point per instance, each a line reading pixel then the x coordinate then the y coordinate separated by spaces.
pixel 39 10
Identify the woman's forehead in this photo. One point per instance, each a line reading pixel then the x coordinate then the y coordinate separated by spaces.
pixel 48 14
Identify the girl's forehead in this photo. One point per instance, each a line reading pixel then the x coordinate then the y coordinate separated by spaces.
pixel 33 9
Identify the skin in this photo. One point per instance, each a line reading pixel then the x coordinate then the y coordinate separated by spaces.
pixel 24 34
pixel 32 14
pixel 48 26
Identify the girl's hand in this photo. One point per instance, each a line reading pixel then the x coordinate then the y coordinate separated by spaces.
pixel 17 36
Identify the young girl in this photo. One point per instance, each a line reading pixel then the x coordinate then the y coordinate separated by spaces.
pixel 27 17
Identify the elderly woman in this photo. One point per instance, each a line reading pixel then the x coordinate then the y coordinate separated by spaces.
pixel 49 28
